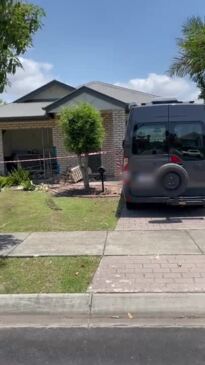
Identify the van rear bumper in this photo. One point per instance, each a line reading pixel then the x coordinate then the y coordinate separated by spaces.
pixel 180 200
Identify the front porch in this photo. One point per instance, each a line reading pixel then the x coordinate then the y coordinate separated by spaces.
pixel 22 142
pixel 42 140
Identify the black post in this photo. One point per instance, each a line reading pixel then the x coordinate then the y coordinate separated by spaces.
pixel 101 171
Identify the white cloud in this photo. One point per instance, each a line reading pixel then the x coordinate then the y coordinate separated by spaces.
pixel 33 75
pixel 164 86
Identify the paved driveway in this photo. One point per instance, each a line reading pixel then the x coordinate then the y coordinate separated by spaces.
pixel 161 217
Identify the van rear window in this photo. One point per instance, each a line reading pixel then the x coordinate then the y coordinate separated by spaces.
pixel 150 139
pixel 187 140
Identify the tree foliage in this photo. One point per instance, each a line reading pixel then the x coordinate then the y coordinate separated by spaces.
pixel 191 58
pixel 83 133
pixel 19 21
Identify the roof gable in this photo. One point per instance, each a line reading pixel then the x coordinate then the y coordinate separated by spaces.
pixel 84 91
pixel 121 93
pixel 51 91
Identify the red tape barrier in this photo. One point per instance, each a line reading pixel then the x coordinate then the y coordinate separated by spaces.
pixel 54 158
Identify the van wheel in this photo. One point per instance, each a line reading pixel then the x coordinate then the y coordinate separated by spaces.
pixel 130 206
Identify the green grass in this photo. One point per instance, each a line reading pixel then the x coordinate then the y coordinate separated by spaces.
pixel 39 211
pixel 46 275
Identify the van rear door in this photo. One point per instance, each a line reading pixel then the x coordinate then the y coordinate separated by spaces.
pixel 149 147
pixel 187 137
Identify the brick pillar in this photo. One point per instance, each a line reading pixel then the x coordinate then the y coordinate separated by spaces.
pixel 108 158
pixel 58 142
pixel 1 153
pixel 119 126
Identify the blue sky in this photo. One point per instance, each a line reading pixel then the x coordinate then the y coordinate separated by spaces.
pixel 109 40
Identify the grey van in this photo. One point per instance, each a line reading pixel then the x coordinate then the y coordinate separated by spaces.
pixel 164 154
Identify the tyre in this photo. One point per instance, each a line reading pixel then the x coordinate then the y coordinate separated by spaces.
pixel 130 206
pixel 172 179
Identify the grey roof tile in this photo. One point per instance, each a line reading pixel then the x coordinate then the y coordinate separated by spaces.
pixel 23 110
pixel 121 93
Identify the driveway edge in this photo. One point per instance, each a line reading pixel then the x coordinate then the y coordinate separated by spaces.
pixel 148 305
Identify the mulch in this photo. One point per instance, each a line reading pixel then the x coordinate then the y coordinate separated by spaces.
pixel 78 190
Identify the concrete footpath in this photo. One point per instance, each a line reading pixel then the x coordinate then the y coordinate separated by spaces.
pixel 142 274
pixel 102 243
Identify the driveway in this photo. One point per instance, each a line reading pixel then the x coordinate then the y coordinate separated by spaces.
pixel 154 249
pixel 161 217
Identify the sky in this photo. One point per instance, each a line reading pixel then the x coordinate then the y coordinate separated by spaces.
pixel 125 42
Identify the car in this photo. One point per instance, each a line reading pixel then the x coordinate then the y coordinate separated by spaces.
pixel 164 154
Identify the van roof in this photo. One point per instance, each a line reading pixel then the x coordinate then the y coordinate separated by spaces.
pixel 158 102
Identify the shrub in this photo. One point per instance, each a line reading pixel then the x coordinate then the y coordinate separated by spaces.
pixel 17 177
pixel 3 181
pixel 28 185
pixel 83 131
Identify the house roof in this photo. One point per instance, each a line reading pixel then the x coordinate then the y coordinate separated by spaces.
pixel 23 110
pixel 121 93
pixel 88 90
pixel 28 97
pixel 28 108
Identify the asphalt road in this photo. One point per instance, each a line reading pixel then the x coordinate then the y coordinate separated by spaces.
pixel 121 346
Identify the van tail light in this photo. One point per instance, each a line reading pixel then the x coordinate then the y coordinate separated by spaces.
pixel 125 171
pixel 175 159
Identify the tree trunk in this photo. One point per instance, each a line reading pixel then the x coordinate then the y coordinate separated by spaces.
pixel 84 170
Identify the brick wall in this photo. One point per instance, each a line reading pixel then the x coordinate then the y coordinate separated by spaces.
pixel 28 124
pixel 58 142
pixel 119 126
pixel 1 154
pixel 108 159
pixel 114 124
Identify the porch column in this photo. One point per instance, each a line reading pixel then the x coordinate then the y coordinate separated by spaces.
pixel 2 168
pixel 119 127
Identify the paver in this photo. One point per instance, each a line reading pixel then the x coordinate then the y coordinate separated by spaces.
pixel 161 218
pixel 171 273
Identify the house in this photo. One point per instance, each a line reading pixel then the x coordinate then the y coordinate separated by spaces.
pixel 29 128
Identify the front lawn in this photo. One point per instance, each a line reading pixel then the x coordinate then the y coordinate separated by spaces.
pixel 39 211
pixel 46 275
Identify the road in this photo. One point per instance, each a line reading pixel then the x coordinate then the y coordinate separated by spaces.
pixel 102 346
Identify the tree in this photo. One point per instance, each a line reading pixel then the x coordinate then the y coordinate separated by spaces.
pixel 191 59
pixel 19 21
pixel 83 133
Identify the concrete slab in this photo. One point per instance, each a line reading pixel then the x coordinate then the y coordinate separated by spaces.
pixel 199 238
pixel 62 244
pixel 150 243
pixel 8 241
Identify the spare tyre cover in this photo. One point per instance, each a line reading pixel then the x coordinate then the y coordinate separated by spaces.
pixel 173 179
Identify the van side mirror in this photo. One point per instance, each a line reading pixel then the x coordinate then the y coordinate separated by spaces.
pixel 123 143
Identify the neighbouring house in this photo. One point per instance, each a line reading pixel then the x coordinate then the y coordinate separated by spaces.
pixel 29 128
